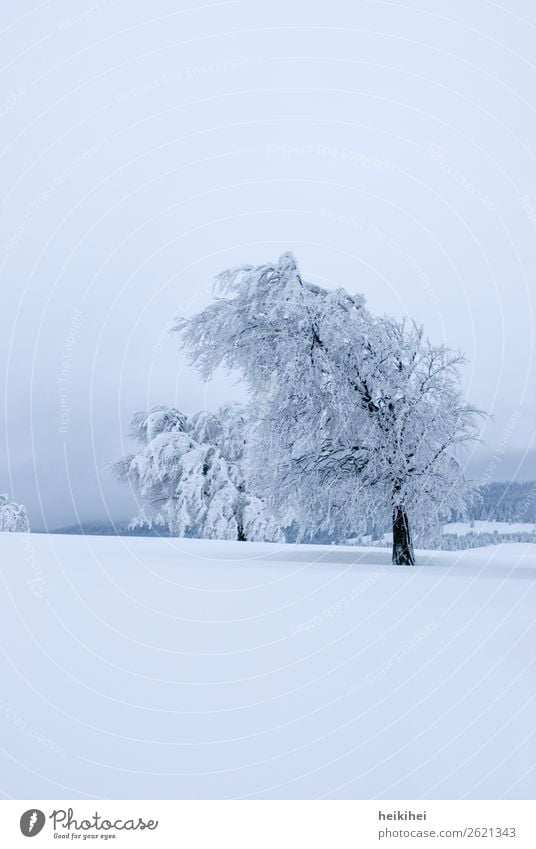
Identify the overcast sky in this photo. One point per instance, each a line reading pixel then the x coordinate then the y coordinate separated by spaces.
pixel 145 147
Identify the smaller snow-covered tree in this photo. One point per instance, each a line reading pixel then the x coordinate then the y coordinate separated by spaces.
pixel 189 476
pixel 13 516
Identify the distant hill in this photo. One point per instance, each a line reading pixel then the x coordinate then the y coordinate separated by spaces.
pixel 502 501
pixel 101 527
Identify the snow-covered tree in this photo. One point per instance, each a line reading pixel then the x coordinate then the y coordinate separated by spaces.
pixel 188 475
pixel 359 415
pixel 13 516
pixel 407 455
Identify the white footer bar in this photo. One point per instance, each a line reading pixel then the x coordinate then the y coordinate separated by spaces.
pixel 270 824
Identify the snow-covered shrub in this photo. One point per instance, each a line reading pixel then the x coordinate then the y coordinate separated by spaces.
pixel 13 516
pixel 189 476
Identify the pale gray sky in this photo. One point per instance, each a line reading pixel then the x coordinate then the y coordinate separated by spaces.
pixel 144 147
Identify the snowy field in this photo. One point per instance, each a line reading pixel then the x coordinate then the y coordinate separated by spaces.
pixel 163 668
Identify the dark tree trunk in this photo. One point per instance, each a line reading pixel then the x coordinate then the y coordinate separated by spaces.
pixel 402 546
pixel 241 537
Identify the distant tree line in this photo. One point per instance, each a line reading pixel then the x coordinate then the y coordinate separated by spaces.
pixel 503 501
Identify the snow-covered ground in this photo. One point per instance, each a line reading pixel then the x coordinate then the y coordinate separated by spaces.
pixel 486 527
pixel 168 668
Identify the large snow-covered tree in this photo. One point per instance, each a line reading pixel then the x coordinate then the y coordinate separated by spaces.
pixel 189 477
pixel 404 450
pixel 359 415
pixel 13 516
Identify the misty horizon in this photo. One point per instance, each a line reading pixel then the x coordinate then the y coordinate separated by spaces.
pixel 131 182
